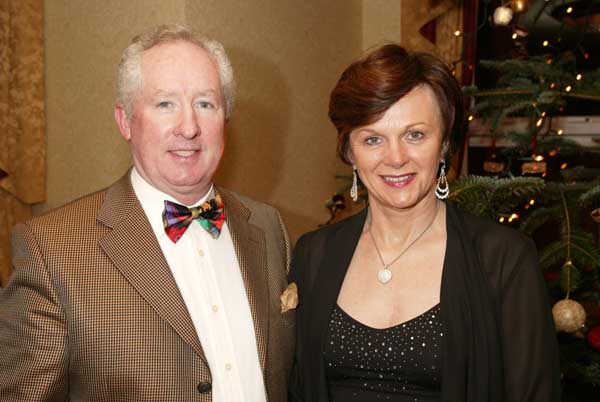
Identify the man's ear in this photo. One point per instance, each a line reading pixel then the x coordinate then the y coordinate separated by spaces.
pixel 122 122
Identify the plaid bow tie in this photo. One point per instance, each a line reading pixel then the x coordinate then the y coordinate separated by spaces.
pixel 177 218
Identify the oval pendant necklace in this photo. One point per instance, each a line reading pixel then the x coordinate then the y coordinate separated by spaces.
pixel 385 274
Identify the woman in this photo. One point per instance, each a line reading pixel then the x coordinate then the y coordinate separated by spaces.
pixel 413 299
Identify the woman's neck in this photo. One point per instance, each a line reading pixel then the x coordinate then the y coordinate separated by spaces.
pixel 393 226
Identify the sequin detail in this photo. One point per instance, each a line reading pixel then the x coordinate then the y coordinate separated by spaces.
pixel 400 363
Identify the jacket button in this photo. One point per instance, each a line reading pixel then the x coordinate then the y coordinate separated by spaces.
pixel 204 387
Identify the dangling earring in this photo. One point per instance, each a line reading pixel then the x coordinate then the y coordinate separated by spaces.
pixel 442 190
pixel 354 188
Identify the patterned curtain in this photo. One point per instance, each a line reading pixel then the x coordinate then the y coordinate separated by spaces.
pixel 22 117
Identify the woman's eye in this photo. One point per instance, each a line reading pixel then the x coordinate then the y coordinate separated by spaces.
pixel 415 135
pixel 372 140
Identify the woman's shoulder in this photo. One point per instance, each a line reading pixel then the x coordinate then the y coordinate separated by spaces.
pixel 325 232
pixel 483 230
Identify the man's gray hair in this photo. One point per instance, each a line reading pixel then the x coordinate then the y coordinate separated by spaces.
pixel 129 80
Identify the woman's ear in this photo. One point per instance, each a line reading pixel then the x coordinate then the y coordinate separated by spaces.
pixel 445 149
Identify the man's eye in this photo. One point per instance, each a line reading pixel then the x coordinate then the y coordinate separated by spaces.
pixel 205 105
pixel 164 105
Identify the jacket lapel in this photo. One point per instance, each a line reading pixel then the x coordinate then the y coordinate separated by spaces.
pixel 133 248
pixel 250 248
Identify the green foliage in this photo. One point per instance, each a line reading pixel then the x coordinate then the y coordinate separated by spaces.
pixel 591 197
pixel 486 196
pixel 570 277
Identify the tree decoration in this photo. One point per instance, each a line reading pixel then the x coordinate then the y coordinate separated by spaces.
pixel 593 337
pixel 569 316
pixel 502 16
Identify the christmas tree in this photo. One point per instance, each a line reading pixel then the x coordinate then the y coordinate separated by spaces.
pixel 546 184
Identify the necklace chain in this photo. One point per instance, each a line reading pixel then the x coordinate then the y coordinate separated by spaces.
pixel 386 266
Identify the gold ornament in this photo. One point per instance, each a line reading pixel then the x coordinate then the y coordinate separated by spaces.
pixel 569 316
pixel 596 215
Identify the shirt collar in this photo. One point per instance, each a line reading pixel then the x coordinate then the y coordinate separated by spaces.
pixel 153 201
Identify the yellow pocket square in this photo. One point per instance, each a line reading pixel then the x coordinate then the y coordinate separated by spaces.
pixel 289 298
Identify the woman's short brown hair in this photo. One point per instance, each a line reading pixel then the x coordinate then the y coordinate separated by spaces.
pixel 372 84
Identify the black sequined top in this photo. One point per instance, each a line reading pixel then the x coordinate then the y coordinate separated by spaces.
pixel 400 363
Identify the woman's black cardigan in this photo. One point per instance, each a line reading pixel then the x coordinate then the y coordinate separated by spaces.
pixel 499 340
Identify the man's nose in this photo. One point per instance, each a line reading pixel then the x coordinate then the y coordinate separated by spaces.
pixel 188 125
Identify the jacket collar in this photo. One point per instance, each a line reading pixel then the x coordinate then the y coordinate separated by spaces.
pixel 149 273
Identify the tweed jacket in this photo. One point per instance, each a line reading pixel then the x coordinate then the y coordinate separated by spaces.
pixel 92 312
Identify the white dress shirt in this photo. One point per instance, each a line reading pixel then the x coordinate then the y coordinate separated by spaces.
pixel 208 275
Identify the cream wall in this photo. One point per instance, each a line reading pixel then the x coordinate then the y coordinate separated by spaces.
pixel 287 56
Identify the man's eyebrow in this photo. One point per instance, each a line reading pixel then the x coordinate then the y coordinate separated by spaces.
pixel 161 92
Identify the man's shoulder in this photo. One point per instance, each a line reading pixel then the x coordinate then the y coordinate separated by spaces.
pixel 82 210
pixel 256 209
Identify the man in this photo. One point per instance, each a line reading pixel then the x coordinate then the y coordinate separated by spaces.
pixel 128 295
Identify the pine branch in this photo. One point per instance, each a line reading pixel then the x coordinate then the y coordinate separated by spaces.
pixel 485 196
pixel 591 197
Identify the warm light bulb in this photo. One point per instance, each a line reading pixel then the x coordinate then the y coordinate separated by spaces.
pixel 560 131
pixel 568 88
pixel 471 117
pixel 502 16
pixel 539 158
pixel 501 220
pixel 515 36
pixel 531 201
pixel 579 77
pixel 545 43
pixel 519 5
pixel 539 122
pixel 543 114
pixel 457 33
pixel 569 10
pixel 552 85
pixel 563 166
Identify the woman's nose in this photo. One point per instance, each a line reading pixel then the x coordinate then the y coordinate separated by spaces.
pixel 396 155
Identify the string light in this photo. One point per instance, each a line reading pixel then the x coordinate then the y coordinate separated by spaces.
pixel 552 152
pixel 457 33
pixel 543 114
pixel 471 117
pixel 539 122
pixel 548 61
pixel 538 158
pixel 545 43
pixel 563 166
pixel 560 131
pixel 568 88
pixel 501 219
pixel 515 36
pixel 552 85
pixel 579 77
pixel 512 217
pixel 531 201
pixel 569 10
